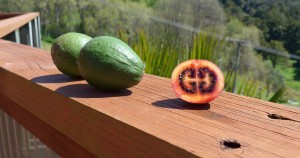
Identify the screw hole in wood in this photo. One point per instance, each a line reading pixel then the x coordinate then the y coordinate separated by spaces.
pixel 275 116
pixel 230 144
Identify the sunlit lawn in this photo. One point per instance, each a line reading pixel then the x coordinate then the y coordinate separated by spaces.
pixel 46 45
pixel 293 85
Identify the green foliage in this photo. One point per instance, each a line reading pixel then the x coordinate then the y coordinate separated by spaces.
pixel 252 88
pixel 94 18
pixel 275 59
pixel 16 6
pixel 279 20
pixel 48 39
pixel 249 60
pixel 122 35
pixel 47 42
pixel 248 87
pixel 229 81
pixel 207 47
pixel 263 63
pixel 274 80
pixel 236 29
pixel 279 95
pixel 46 45
pixel 160 57
pixel 295 96
pixel 54 16
pixel 180 19
pixel 151 3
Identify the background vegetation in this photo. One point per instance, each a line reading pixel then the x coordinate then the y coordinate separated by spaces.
pixel 165 32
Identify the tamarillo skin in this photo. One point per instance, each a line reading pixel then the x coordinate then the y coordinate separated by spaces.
pixel 197 81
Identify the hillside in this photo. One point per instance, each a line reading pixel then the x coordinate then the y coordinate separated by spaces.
pixel 278 20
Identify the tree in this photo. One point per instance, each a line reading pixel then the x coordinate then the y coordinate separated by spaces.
pixel 57 16
pixel 178 19
pixel 16 6
pixel 297 68
pixel 276 59
pixel 274 80
pixel 278 20
pixel 292 38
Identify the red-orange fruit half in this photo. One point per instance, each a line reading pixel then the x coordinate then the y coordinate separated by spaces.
pixel 197 81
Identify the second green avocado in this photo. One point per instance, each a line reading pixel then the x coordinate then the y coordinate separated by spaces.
pixel 65 51
pixel 108 63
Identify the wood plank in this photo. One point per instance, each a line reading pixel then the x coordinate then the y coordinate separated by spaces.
pixel 11 24
pixel 147 120
pixel 41 130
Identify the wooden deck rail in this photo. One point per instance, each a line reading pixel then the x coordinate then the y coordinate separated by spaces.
pixel 14 22
pixel 21 28
pixel 148 120
pixel 15 140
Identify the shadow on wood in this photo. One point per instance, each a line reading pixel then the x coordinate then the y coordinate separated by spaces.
pixel 180 104
pixel 86 91
pixel 54 78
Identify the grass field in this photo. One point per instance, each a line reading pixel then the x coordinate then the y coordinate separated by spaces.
pixel 47 42
pixel 293 85
pixel 46 45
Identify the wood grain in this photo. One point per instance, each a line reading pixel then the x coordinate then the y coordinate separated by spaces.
pixel 14 21
pixel 147 120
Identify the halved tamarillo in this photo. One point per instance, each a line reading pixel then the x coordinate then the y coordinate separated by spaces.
pixel 197 81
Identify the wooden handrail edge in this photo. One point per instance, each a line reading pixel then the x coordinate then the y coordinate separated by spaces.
pixel 11 24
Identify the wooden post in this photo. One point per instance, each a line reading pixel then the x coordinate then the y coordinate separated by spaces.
pixel 35 33
pixel 237 60
pixel 39 31
pixel 17 35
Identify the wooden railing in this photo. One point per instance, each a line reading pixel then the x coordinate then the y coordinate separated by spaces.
pixel 148 120
pixel 15 140
pixel 21 28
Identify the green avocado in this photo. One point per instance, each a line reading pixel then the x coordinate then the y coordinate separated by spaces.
pixel 108 63
pixel 65 52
